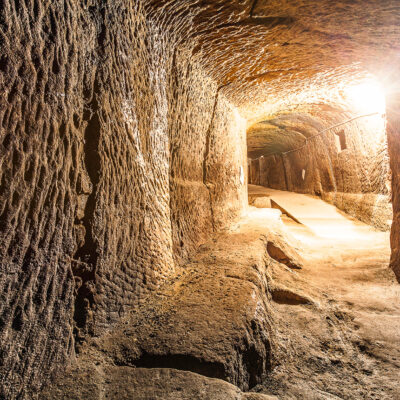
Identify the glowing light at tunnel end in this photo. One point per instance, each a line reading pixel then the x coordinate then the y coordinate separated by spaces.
pixel 367 97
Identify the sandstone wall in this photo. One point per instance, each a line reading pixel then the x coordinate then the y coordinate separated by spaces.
pixel 355 179
pixel 117 155
pixel 254 172
pixel 208 147
pixel 393 117
pixel 225 164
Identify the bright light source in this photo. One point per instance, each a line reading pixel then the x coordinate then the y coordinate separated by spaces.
pixel 367 97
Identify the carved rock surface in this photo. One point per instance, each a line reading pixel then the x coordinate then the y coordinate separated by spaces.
pixel 261 202
pixel 115 165
pixel 126 383
pixel 355 179
pixel 122 138
pixel 394 149
pixel 212 319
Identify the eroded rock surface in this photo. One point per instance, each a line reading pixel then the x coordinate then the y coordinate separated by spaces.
pixel 126 383
pixel 332 326
pixel 353 175
pixel 280 251
pixel 122 146
pixel 260 202
pixel 212 319
pixel 394 148
pixel 115 166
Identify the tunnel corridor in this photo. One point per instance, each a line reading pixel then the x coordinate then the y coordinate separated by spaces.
pixel 199 199
pixel 338 154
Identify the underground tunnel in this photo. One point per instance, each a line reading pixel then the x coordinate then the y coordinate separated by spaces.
pixel 199 199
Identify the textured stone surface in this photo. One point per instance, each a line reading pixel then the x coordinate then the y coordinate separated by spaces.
pixel 279 250
pixel 278 54
pixel 394 151
pixel 120 143
pixel 212 319
pixel 207 147
pixel 126 383
pixel 261 202
pixel 108 142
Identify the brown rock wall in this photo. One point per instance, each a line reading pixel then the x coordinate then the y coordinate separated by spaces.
pixel 192 91
pixel 393 117
pixel 45 65
pixel 119 154
pixel 272 172
pixel 207 145
pixel 104 127
pixel 225 164
pixel 254 172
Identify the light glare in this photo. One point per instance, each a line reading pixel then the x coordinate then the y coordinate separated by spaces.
pixel 367 97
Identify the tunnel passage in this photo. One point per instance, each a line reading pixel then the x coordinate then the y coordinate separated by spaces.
pixel 336 152
pixel 123 134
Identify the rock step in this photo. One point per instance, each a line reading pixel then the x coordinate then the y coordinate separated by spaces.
pixel 212 319
pixel 210 326
pixel 127 383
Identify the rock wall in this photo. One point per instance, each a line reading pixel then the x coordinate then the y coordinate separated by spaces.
pixel 225 165
pixel 208 147
pixel 393 117
pixel 356 179
pixel 118 156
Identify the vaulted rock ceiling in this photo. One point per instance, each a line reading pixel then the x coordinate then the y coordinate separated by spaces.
pixel 272 56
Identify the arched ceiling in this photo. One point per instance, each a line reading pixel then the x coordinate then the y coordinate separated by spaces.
pixel 274 56
pixel 288 129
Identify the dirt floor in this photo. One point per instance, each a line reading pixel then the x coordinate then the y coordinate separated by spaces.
pixel 346 344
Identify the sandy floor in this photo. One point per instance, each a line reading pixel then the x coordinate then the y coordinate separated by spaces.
pixel 347 343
